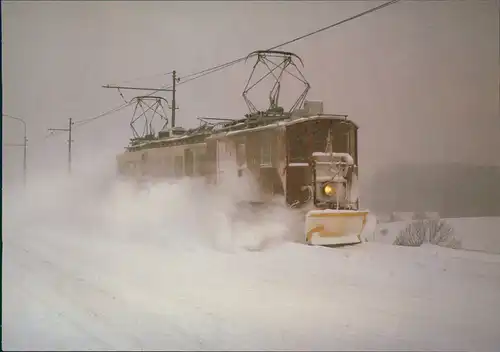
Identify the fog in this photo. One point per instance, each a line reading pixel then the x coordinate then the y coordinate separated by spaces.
pixel 419 77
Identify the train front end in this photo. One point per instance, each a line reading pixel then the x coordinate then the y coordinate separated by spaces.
pixel 322 179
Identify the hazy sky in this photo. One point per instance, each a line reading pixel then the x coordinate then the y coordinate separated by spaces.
pixel 421 78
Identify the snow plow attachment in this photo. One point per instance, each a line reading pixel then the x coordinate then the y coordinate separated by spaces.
pixel 334 227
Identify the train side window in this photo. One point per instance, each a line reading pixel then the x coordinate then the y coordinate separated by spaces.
pixel 241 155
pixel 266 152
pixel 178 166
pixel 201 163
pixel 188 162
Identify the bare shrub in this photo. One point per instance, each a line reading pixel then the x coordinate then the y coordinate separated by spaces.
pixel 412 235
pixel 441 234
pixel 433 231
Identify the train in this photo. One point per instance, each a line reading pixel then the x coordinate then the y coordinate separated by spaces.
pixel 306 158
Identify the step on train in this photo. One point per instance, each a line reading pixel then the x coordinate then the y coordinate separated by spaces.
pixel 303 156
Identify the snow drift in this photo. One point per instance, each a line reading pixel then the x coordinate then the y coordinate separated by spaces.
pixel 167 213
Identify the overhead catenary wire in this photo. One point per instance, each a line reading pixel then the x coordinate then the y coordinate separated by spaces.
pixel 204 72
pixel 79 123
pixel 373 9
pixel 118 108
pixel 210 70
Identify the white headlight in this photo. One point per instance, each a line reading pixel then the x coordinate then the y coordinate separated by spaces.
pixel 328 189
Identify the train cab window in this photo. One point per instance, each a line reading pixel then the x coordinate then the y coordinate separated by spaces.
pixel 339 139
pixel 188 162
pixel 297 143
pixel 352 143
pixel 178 166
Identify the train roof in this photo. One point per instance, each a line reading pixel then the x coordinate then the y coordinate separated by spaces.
pixel 224 129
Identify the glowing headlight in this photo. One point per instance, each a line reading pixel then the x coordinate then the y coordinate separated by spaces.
pixel 328 190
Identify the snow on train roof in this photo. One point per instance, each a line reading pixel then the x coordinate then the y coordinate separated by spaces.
pixel 284 123
pixel 220 134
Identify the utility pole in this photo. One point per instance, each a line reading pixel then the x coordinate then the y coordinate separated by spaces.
pixel 70 141
pixel 24 145
pixel 173 90
pixel 173 98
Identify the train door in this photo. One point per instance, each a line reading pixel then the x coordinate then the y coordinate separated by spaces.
pixel 226 161
pixel 270 180
pixel 298 172
pixel 245 177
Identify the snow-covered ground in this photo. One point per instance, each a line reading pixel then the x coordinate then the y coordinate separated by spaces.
pixel 97 265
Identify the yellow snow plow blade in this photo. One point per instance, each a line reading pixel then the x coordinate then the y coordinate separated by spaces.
pixel 334 227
